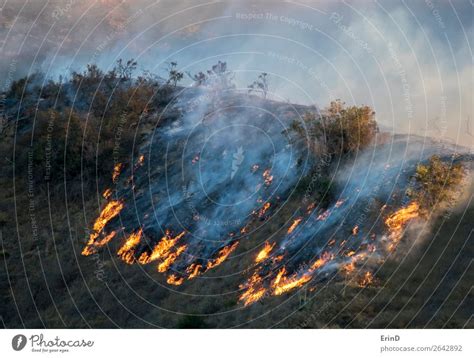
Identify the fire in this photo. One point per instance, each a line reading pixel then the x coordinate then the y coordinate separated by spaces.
pixel 366 279
pixel 162 249
pixel 107 193
pixel 264 209
pixel 255 168
pixel 141 160
pixel 267 177
pixel 263 254
pixel 355 230
pixel 222 255
pixel 339 203
pixel 294 225
pixel 283 283
pixel 255 291
pixel 324 215
pixel 127 251
pixel 398 220
pixel 174 280
pixel 195 159
pixel 194 270
pixel 117 169
pixel 111 210
pixel 165 265
pixel 348 268
pixel 321 261
pixel 105 240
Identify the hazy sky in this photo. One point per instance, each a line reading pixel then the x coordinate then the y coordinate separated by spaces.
pixel 410 60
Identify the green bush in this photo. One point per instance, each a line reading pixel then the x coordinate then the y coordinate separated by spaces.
pixel 348 129
pixel 338 130
pixel 436 182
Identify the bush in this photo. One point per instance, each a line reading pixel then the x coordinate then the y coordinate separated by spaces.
pixel 348 129
pixel 436 182
pixel 338 130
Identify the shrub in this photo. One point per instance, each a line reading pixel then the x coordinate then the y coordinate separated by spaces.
pixel 174 76
pixel 436 182
pixel 260 85
pixel 338 129
pixel 350 129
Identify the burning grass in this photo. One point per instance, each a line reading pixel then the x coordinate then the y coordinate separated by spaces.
pixel 397 221
pixel 111 210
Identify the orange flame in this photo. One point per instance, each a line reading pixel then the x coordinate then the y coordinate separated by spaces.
pixel 107 193
pixel 348 268
pixel 254 290
pixel 161 249
pixel 117 169
pixel 366 279
pixel 294 225
pixel 111 210
pixel 165 265
pixel 222 255
pixel 283 283
pixel 264 209
pixel 355 230
pixel 127 251
pixel 322 260
pixel 263 254
pixel 267 177
pixel 174 280
pixel 324 215
pixel 105 240
pixel 398 220
pixel 194 270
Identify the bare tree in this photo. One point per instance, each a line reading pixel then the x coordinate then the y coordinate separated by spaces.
pixel 125 69
pixel 200 79
pixel 218 77
pixel 260 85
pixel 174 76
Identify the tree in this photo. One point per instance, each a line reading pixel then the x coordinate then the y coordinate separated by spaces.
pixel 200 79
pixel 125 70
pixel 338 129
pixel 220 77
pixel 260 85
pixel 217 78
pixel 348 129
pixel 435 182
pixel 174 76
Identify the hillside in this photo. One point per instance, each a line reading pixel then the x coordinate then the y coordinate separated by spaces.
pixel 141 204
